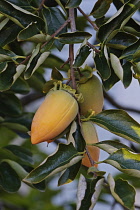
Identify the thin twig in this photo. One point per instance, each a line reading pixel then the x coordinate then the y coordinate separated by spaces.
pixel 71 47
pixel 89 156
pixel 57 32
pixel 86 16
pixel 41 4
pixel 114 103
pixel 66 62
pixel 93 47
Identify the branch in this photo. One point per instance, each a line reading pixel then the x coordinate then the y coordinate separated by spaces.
pixel 93 47
pixel 71 47
pixel 114 103
pixel 86 16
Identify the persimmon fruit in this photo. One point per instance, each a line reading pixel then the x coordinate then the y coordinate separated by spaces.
pixel 90 135
pixel 54 115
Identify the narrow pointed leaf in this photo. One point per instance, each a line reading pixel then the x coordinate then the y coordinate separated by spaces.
pixel 82 56
pixel 73 4
pixel 119 123
pixel 116 65
pixel 122 191
pixel 127 74
pixel 73 37
pixel 125 161
pixel 65 156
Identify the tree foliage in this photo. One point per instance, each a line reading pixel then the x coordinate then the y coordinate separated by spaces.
pixel 30 32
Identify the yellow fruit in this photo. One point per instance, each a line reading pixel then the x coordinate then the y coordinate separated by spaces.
pixel 90 136
pixel 93 95
pixel 53 116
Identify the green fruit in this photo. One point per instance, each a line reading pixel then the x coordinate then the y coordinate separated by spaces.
pixel 93 96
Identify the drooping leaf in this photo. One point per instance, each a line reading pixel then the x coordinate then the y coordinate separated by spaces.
pixel 73 37
pixel 102 63
pixel 100 8
pixel 81 56
pixel 126 161
pixel 122 191
pixel 115 23
pixel 127 74
pixel 119 123
pixel 64 157
pixel 9 179
pixel 88 192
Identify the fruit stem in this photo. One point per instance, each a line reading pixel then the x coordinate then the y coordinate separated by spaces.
pixel 90 159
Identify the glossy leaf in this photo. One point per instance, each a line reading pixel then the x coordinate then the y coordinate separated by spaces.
pixel 69 174
pixel 122 191
pixel 127 74
pixel 10 105
pixel 73 37
pixel 18 15
pixel 126 161
pixel 132 27
pixel 130 52
pixel 119 123
pixel 81 56
pixel 7 35
pixel 64 157
pixel 115 23
pixel 111 146
pixel 100 8
pixel 9 179
pixel 122 40
pixel 102 63
pixel 73 4
pixel 88 192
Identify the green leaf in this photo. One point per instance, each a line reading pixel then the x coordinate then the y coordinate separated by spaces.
pixel 111 146
pixel 100 8
pixel 6 135
pixel 10 75
pixel 18 15
pixel 56 75
pixel 73 4
pixel 119 123
pixel 127 74
pixel 122 40
pixel 102 63
pixel 22 153
pixel 69 174
pixel 7 35
pixel 20 86
pixel 88 192
pixel 35 61
pixel 122 191
pixel 115 23
pixel 116 65
pixel 10 105
pixel 130 52
pixel 73 37
pixel 48 85
pixel 64 157
pixel 82 55
pixel 126 161
pixel 9 179
pixel 132 27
